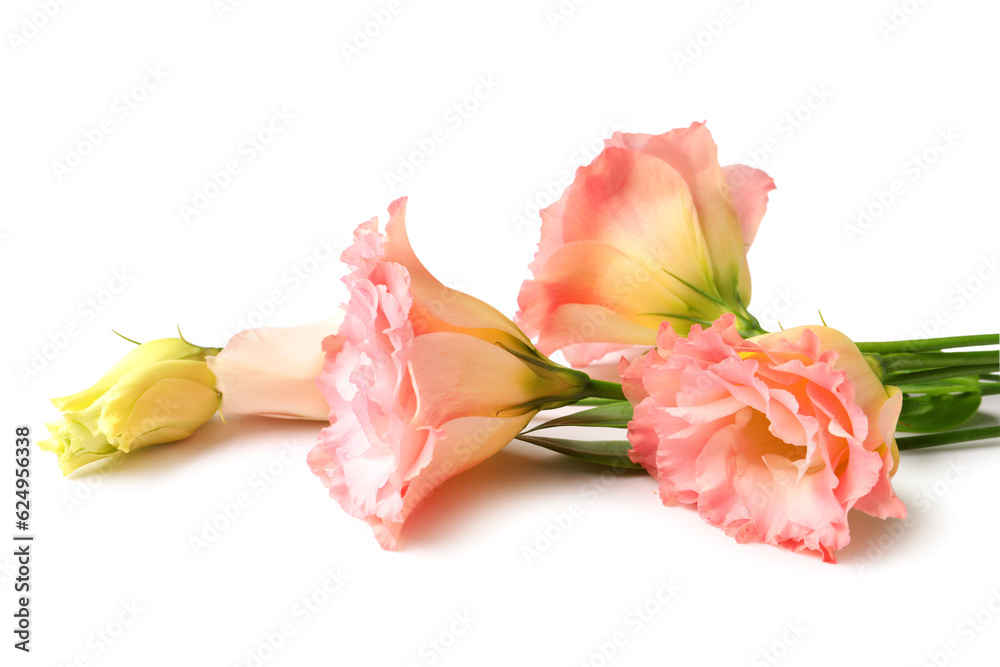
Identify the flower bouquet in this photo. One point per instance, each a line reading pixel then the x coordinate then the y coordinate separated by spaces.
pixel 636 322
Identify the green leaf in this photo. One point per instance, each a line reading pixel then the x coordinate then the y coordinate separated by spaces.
pixel 613 453
pixel 611 415
pixel 966 383
pixel 929 413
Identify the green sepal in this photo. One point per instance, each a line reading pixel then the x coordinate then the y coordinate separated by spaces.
pixel 611 415
pixel 611 453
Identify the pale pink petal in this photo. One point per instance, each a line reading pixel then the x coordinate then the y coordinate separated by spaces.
pixel 882 502
pixel 715 472
pixel 602 361
pixel 748 188
pixel 456 375
pixel 272 371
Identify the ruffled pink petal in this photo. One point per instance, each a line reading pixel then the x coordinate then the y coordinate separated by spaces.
pixel 421 383
pixel 715 473
pixel 370 450
pixel 792 512
pixel 882 501
pixel 766 436
pixel 676 463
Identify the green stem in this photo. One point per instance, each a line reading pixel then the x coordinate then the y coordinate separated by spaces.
pixel 936 374
pixel 907 361
pixel 989 388
pixel 602 389
pixel 947 438
pixel 929 344
pixel 595 401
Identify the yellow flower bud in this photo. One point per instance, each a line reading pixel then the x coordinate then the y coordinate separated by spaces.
pixel 159 392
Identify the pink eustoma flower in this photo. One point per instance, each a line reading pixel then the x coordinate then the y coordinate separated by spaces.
pixel 652 230
pixel 774 438
pixel 423 382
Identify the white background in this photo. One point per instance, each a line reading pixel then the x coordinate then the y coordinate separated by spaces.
pixel 118 537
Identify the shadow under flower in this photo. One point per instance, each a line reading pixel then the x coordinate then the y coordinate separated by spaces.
pixel 215 435
pixel 460 503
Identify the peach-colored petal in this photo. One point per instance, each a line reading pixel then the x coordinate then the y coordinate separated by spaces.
pixel 595 273
pixel 638 205
pixel 692 152
pixel 572 325
pixel 456 375
pixel 272 371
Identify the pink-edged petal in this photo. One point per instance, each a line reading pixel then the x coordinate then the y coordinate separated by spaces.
pixel 624 225
pixel 572 326
pixel 715 471
pixel 693 153
pixel 602 361
pixel 748 188
pixel 642 207
pixel 788 509
pixel 593 273
pixel 682 445
pixel 436 307
pixel 457 446
pixel 882 502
